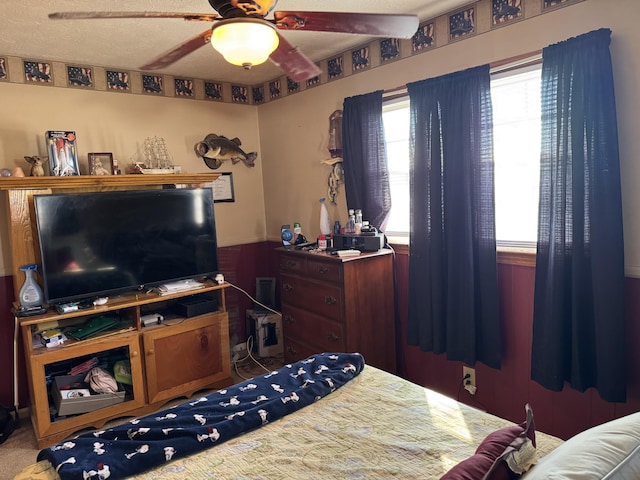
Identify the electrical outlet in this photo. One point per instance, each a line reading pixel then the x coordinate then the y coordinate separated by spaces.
pixel 469 379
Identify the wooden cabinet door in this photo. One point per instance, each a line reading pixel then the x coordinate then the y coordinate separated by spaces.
pixel 183 358
pixel 48 432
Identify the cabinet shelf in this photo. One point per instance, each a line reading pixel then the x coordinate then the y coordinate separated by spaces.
pixel 97 181
pixel 122 301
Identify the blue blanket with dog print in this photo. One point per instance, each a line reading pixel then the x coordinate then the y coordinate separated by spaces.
pixel 147 442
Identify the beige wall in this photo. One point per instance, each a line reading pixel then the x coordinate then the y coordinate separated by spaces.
pixel 290 134
pixel 293 131
pixel 119 123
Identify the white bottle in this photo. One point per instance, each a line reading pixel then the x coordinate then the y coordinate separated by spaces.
pixel 358 222
pixel 325 224
pixel 350 228
pixel 30 293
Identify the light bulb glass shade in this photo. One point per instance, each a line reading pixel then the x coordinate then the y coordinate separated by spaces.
pixel 244 41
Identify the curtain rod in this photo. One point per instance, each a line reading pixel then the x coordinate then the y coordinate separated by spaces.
pixel 499 66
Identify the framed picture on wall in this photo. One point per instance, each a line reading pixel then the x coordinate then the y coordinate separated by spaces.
pixel 223 188
pixel 101 164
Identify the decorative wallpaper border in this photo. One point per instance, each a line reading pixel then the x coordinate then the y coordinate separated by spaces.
pixel 474 19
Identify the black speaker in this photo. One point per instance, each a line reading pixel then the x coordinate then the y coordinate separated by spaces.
pixel 195 305
pixel 265 293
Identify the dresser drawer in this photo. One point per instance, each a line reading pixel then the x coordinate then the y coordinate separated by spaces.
pixel 293 264
pixel 313 329
pixel 325 300
pixel 328 271
pixel 294 350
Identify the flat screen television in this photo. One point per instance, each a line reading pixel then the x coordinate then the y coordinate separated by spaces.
pixel 100 243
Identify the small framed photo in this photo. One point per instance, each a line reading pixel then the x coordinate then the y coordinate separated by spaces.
pixel 223 188
pixel 101 164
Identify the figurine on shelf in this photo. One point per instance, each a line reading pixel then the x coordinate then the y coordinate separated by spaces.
pixel 37 169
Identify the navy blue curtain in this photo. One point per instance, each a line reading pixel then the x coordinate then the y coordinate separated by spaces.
pixel 578 324
pixel 366 175
pixel 453 286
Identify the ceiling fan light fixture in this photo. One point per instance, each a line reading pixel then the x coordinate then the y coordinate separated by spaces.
pixel 244 41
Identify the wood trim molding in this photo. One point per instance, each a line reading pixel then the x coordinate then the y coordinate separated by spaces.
pixel 525 257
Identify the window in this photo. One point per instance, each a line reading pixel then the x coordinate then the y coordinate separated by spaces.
pixel 516 151
pixel 516 117
pixel 396 129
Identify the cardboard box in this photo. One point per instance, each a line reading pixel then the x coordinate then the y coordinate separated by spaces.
pixel 74 406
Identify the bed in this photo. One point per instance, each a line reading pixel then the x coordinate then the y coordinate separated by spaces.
pixel 373 426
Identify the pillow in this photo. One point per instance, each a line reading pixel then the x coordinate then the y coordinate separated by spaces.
pixel 502 455
pixel 605 452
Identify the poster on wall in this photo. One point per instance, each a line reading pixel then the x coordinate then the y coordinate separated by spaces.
pixel 63 154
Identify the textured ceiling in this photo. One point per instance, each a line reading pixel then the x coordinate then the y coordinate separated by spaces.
pixel 127 44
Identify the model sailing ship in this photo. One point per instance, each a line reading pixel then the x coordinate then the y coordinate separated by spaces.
pixel 154 157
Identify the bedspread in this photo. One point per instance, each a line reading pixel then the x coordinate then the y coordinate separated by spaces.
pixel 377 426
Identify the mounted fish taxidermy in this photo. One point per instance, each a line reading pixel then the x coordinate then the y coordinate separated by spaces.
pixel 215 149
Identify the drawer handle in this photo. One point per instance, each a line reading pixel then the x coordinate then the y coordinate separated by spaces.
pixel 289 319
pixel 329 300
pixel 204 341
pixel 322 270
pixel 291 263
pixel 332 336
pixel 287 287
pixel 291 351
pixel 150 352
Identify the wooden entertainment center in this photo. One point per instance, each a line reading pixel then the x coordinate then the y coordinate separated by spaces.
pixel 169 360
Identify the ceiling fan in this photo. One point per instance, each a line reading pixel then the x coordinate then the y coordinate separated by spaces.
pixel 245 37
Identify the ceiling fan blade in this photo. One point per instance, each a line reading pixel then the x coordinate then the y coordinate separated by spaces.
pixel 206 17
pixel 374 24
pixel 293 62
pixel 178 52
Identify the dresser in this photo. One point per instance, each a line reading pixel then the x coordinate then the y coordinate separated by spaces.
pixel 332 304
